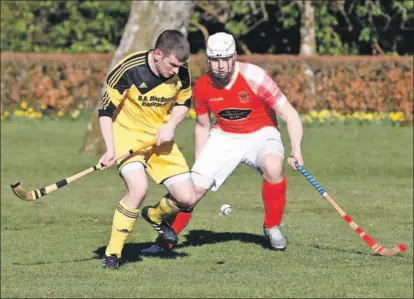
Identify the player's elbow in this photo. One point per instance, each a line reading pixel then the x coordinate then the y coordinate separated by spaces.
pixel 287 112
pixel 202 124
pixel 200 130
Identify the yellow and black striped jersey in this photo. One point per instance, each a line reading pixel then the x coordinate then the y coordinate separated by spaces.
pixel 138 99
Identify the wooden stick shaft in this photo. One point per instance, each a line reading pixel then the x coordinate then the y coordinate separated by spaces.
pixel 36 194
pixel 371 242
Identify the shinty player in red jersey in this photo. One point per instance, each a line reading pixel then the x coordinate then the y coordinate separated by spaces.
pixel 245 101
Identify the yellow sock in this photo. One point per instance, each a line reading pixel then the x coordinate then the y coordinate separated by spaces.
pixel 122 225
pixel 165 208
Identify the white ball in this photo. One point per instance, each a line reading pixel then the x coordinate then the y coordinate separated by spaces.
pixel 225 209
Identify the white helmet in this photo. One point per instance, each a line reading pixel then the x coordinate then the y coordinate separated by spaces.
pixel 220 45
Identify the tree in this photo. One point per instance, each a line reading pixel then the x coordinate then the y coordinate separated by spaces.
pixel 307 28
pixel 62 26
pixel 307 40
pixel 146 21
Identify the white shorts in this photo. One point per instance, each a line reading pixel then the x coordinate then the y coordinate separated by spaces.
pixel 223 152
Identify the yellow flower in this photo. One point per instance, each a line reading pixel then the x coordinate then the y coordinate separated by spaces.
pixel 397 116
pixel 60 113
pixel 81 106
pixel 23 105
pixel 336 114
pixel 18 112
pixel 325 114
pixel 314 114
pixel 6 113
pixel 43 107
pixel 30 110
pixel 75 113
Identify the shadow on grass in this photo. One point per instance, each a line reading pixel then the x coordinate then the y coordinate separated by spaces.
pixel 204 237
pixel 132 251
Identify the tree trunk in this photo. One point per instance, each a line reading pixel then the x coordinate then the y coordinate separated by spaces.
pixel 307 29
pixel 308 44
pixel 146 21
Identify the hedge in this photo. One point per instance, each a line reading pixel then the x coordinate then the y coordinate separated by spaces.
pixel 341 83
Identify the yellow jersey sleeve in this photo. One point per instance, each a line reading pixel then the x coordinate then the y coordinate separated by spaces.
pixel 116 89
pixel 110 101
pixel 185 94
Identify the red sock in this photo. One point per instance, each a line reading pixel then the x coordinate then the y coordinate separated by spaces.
pixel 274 199
pixel 180 221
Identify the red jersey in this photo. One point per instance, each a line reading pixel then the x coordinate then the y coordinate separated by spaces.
pixel 245 104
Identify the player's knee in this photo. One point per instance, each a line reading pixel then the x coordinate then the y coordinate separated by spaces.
pixel 182 189
pixel 187 198
pixel 272 167
pixel 137 194
pixel 135 178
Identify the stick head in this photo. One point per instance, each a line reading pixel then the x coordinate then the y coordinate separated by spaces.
pixel 20 193
pixel 392 251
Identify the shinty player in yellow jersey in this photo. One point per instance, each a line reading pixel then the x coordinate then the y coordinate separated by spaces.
pixel 148 95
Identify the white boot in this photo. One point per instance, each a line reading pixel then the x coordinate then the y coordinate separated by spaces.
pixel 277 240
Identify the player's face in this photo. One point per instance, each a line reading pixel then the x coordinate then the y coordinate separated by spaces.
pixel 168 65
pixel 221 68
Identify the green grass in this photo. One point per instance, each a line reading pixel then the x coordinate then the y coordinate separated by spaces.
pixel 48 247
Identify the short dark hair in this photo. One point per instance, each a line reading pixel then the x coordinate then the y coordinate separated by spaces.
pixel 173 41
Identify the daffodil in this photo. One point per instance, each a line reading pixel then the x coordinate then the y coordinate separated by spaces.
pixel 18 112
pixel 23 105
pixel 75 113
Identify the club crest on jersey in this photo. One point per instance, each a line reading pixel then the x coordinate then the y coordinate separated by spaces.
pixel 243 97
pixel 235 114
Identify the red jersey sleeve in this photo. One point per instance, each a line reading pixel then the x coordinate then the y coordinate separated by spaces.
pixel 200 101
pixel 262 84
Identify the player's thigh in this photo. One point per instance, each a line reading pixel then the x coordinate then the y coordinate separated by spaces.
pixel 136 180
pixel 271 165
pixel 217 160
pixel 267 154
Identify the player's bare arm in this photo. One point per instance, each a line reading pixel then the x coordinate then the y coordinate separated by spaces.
pixel 295 130
pixel 167 131
pixel 201 132
pixel 108 158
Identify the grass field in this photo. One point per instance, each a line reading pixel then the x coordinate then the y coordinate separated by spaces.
pixel 50 248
